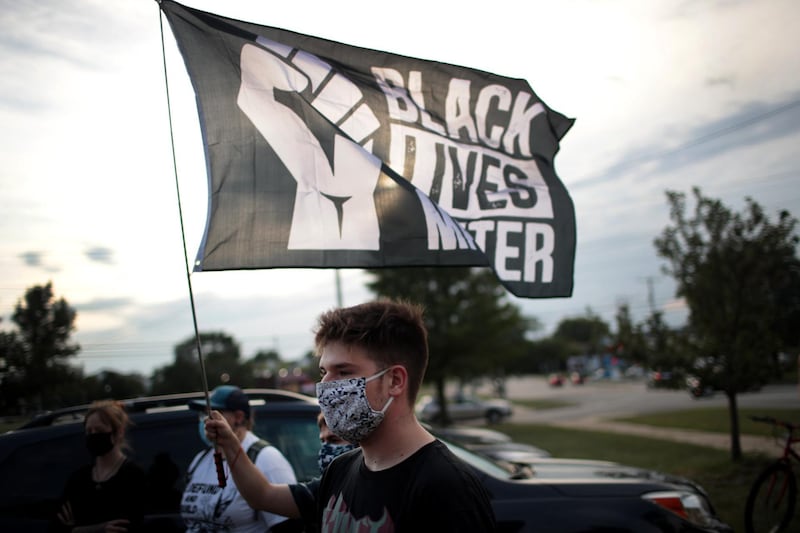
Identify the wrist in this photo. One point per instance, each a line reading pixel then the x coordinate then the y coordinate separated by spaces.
pixel 236 455
pixel 231 451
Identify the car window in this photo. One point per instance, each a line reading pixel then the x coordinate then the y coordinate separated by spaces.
pixel 164 446
pixel 297 438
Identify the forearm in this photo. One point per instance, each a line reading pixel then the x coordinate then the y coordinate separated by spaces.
pixel 255 488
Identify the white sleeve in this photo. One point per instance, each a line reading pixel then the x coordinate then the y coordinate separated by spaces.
pixel 277 470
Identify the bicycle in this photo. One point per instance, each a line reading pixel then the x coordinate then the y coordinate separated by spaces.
pixel 773 495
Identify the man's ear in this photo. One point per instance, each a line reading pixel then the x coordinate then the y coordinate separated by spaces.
pixel 398 376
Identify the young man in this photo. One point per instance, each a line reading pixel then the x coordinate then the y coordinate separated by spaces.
pixel 372 358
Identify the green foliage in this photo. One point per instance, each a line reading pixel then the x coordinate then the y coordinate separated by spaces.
pixel 630 338
pixel 738 273
pixel 221 359
pixel 651 343
pixel 543 356
pixel 473 329
pixel 113 385
pixel 38 374
pixel 587 334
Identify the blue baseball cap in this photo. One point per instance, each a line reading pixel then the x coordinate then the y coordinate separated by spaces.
pixel 225 398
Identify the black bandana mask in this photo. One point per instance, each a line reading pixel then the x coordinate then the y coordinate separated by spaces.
pixel 99 443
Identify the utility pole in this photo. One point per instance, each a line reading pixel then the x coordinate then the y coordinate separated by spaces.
pixel 651 299
pixel 338 288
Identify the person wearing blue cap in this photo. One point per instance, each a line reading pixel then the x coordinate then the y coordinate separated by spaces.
pixel 207 507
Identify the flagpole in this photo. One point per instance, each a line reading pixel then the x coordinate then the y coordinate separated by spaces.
pixel 203 376
pixel 338 288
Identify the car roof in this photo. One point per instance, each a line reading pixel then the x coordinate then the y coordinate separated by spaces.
pixel 147 404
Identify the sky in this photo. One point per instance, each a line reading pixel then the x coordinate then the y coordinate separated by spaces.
pixel 666 95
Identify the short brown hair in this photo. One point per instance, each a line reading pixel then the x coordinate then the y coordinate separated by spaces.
pixel 391 332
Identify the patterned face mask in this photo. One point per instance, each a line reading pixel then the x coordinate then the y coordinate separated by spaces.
pixel 344 404
pixel 328 452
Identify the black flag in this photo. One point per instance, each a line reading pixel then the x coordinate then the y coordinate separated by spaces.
pixel 326 155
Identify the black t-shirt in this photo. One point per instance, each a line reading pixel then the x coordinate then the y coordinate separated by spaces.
pixel 121 496
pixel 432 490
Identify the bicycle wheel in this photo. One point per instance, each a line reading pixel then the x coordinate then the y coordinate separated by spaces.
pixel 770 504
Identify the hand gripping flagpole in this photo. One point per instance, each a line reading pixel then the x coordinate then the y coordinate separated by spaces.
pixel 217 453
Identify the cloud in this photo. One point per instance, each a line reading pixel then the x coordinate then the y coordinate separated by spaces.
pixel 44 43
pixel 751 124
pixel 33 259
pixel 104 304
pixel 100 254
pixel 36 260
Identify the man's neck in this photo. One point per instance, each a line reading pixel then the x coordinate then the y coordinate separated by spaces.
pixel 394 441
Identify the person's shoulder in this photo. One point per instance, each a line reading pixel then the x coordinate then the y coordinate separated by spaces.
pixel 271 461
pixel 436 455
pixel 201 454
pixel 344 462
pixel 269 455
pixel 453 480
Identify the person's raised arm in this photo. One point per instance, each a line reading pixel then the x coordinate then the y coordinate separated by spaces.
pixel 254 487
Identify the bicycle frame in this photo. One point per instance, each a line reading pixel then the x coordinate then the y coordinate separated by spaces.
pixel 775 489
pixel 788 446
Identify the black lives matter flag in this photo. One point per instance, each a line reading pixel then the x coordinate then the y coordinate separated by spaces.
pixel 326 155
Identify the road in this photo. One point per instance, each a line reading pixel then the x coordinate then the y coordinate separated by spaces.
pixel 614 399
pixel 594 404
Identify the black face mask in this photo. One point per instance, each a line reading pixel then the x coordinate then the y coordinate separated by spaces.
pixel 99 443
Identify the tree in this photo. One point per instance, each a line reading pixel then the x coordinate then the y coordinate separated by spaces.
pixel 630 339
pixel 266 365
pixel 37 354
pixel 666 347
pixel 221 356
pixel 473 329
pixel 652 342
pixel 110 384
pixel 738 275
pixel 544 355
pixel 588 334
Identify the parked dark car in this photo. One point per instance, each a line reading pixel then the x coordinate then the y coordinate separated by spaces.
pixel 489 443
pixel 35 462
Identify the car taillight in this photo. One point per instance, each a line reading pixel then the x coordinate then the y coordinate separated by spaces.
pixel 688 505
